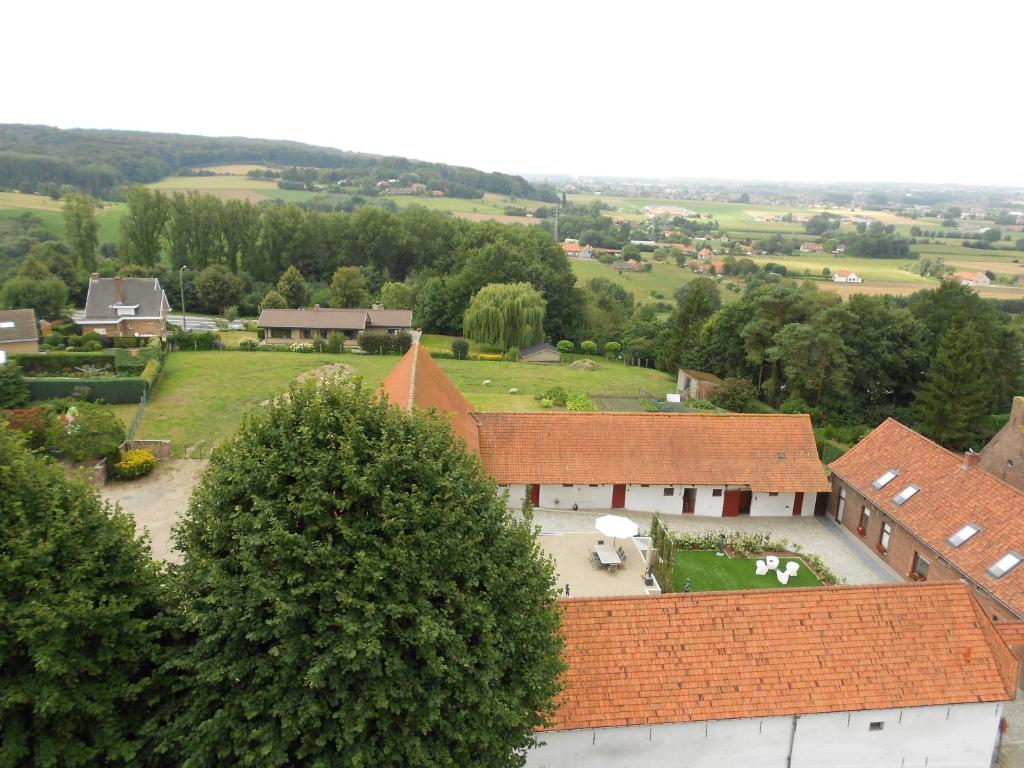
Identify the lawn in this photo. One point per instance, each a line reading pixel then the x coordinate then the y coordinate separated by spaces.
pixel 664 279
pixel 201 397
pixel 709 573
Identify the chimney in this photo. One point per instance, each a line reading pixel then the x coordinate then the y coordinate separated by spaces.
pixel 94 276
pixel 971 458
pixel 1017 411
pixel 119 290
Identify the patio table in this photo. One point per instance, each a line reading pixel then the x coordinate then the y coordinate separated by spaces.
pixel 607 554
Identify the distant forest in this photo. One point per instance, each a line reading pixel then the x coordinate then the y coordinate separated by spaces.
pixel 101 162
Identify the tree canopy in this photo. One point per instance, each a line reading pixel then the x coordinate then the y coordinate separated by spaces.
pixel 356 593
pixel 506 315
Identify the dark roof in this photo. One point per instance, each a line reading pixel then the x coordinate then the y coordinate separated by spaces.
pixel 335 319
pixel 24 329
pixel 142 291
pixel 542 347
pixel 772 652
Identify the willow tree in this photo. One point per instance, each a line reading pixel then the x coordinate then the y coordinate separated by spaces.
pixel 505 315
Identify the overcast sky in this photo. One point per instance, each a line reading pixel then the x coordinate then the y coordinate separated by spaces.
pixel 820 91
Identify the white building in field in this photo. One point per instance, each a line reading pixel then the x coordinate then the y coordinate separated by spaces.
pixel 713 465
pixel 894 675
pixel 846 276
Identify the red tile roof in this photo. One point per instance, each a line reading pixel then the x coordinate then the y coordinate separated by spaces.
pixel 571 247
pixel 952 494
pixel 418 381
pixel 765 452
pixel 767 653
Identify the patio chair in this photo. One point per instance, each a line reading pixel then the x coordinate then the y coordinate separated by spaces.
pixel 792 568
pixel 783 577
pixel 622 555
pixel 772 561
pixel 595 559
pixel 761 568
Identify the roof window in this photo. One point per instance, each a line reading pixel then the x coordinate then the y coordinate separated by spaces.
pixel 903 496
pixel 885 479
pixel 1004 565
pixel 963 535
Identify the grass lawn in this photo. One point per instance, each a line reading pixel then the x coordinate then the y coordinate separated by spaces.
pixel 709 573
pixel 663 278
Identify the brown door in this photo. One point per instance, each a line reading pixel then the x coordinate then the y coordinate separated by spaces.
pixel 618 496
pixel 746 499
pixel 731 504
pixel 535 495
pixel 798 503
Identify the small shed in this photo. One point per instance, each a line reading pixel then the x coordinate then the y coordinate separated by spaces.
pixel 19 333
pixel 540 353
pixel 696 385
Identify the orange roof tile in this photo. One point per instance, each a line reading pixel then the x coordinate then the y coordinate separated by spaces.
pixel 417 380
pixel 765 452
pixel 767 653
pixel 952 494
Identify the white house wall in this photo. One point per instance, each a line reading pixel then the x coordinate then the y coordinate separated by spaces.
pixel 652 498
pixel 584 496
pixel 517 493
pixel 706 503
pixel 766 505
pixel 958 736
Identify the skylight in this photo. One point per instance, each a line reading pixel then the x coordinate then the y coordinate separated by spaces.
pixel 963 534
pixel 1007 563
pixel 884 479
pixel 903 496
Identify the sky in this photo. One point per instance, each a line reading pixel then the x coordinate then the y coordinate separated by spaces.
pixel 772 90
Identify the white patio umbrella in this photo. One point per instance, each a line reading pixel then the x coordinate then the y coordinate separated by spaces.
pixel 617 527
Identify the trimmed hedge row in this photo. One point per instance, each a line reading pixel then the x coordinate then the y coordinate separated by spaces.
pixel 57 363
pixel 113 390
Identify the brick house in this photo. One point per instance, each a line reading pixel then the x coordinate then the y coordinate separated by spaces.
pixel 846 276
pixel 672 463
pixel 125 306
pixel 297 326
pixel 19 333
pixel 811 247
pixel 828 677
pixel 933 515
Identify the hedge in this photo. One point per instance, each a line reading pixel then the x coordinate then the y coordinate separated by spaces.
pixel 151 371
pixel 57 363
pixel 113 390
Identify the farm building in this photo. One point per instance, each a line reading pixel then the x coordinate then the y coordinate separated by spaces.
pixel 972 278
pixel 933 515
pixel 705 254
pixel 835 677
pixel 630 265
pixel 811 248
pixel 577 251
pixel 19 333
pixel 696 385
pixel 846 276
pixel 291 326
pixel 125 306
pixel 540 353
pixel 1003 457
pixel 675 464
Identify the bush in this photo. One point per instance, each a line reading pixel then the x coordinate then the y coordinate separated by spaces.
pixel 29 421
pixel 129 366
pixel 92 336
pixel 376 343
pixel 579 402
pixel 612 349
pixel 198 341
pixel 92 346
pixel 301 347
pixel 14 391
pixel 588 347
pixel 85 432
pixel 700 405
pixel 63 363
pixel 319 345
pixel 794 405
pixel 122 389
pixel 512 355
pixel 556 395
pixel 137 462
pixel 460 349
pixel 54 340
pixel 248 345
pixel 565 347
pixel 150 373
pixel 734 394
pixel 336 344
pixel 491 357
pixel 127 342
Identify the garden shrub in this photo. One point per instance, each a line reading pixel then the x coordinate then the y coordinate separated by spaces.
pixel 375 342
pixel 700 405
pixel 150 372
pixel 460 349
pixel 512 355
pixel 565 346
pixel 336 344
pixel 122 389
pixel 29 421
pixel 54 340
pixel 556 395
pixel 14 391
pixel 319 345
pixel 248 345
pixel 402 341
pixel 128 342
pixel 63 363
pixel 92 346
pixel 92 336
pixel 90 432
pixel 579 402
pixel 130 366
pixel 137 462
pixel 300 347
pixel 198 341
pixel 488 356
pixel 734 394
pixel 588 347
pixel 612 349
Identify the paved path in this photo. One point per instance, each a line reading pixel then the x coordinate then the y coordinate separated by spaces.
pixel 840 549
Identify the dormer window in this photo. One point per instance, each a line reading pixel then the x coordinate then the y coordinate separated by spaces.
pixel 1004 565
pixel 903 496
pixel 124 310
pixel 885 479
pixel 963 535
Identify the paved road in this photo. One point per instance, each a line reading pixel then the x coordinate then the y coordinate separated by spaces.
pixel 839 548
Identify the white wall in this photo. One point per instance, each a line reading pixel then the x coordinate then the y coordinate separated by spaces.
pixel 517 493
pixel 959 736
pixel 765 505
pixel 653 499
pixel 708 504
pixel 584 496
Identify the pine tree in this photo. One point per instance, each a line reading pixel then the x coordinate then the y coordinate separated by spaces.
pixel 292 285
pixel 955 396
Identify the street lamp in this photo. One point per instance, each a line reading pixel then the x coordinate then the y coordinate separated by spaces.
pixel 184 319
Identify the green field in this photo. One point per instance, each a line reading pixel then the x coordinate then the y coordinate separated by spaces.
pixel 709 573
pixel 202 396
pixel 51 212
pixel 664 278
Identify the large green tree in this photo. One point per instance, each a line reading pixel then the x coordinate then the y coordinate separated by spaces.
pixel 505 315
pixel 348 288
pixel 47 296
pixel 356 594
pixel 81 621
pixel 82 229
pixel 219 288
pixel 143 225
pixel 293 286
pixel 397 296
pixel 954 398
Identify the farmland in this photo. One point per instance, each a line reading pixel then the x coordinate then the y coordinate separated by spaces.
pixel 663 279
pixel 50 211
